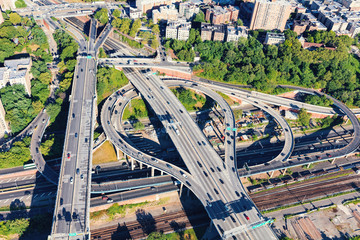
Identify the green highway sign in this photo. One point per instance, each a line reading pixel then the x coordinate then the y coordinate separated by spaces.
pixel 234 129
pixel 88 56
pixel 229 128
pixel 72 234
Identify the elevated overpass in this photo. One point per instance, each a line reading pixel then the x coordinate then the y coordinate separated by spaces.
pixel 71 216
pixel 225 206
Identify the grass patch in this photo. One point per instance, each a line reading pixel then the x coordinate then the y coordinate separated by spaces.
pixel 109 80
pixel 354 201
pixel 120 210
pixel 188 234
pixel 105 153
pixel 227 98
pixel 191 100
pixel 135 110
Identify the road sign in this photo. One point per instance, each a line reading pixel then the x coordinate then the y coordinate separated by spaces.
pixel 229 128
pixel 72 234
pixel 234 129
pixel 88 56
pixel 263 223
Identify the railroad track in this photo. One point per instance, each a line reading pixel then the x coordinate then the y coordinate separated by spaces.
pixel 304 191
pixel 135 230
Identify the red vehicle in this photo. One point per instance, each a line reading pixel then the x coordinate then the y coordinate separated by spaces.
pixel 318 157
pixel 105 197
pixel 247 217
pixel 68 155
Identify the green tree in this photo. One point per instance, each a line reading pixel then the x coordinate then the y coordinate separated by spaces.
pixel 239 22
pixel 200 17
pixel 20 4
pixel 155 29
pixel 116 13
pixel 304 117
pixel 102 15
pixel 14 18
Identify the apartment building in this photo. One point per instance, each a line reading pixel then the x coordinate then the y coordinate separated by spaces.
pixel 165 13
pixel 274 38
pixel 146 5
pixel 270 14
pixel 221 15
pixel 212 32
pixel 16 71
pixel 134 13
pixel 188 10
pixel 235 33
pixel 179 30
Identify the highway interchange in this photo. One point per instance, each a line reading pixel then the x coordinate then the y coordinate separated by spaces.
pixel 213 180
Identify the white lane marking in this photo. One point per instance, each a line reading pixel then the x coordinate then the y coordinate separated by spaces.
pixel 42 194
pixel 35 196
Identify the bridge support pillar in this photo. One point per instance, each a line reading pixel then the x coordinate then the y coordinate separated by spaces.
pixel 309 165
pixel 332 161
pixel 161 173
pixel 271 174
pixel 284 172
pixel 152 171
pixel 118 154
pixel 181 188
pixel 141 165
pixel 132 164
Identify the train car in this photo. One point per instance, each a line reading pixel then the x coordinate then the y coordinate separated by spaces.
pixel 318 173
pixel 255 188
pixel 346 167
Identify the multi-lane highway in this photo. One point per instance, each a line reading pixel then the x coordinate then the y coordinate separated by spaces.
pixel 232 212
pixel 71 215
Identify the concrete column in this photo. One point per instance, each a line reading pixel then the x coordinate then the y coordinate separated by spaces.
pixel 309 165
pixel 118 154
pixel 132 164
pixel 271 174
pixel 140 165
pixel 152 171
pixel 161 173
pixel 333 160
pixel 181 188
pixel 284 171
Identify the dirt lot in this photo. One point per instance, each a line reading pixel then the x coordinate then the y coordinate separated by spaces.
pixel 105 153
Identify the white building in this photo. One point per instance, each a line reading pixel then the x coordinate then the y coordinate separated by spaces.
pixel 235 33
pixel 188 9
pixel 16 71
pixel 274 38
pixel 135 13
pixel 179 30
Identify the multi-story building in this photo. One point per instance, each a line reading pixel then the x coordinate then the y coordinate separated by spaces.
pixel 212 32
pixel 134 13
pixel 352 5
pixel 188 9
pixel 235 33
pixel 147 5
pixel 206 32
pixel 270 14
pixel 274 38
pixel 16 71
pixel 179 30
pixel 221 15
pixel 165 13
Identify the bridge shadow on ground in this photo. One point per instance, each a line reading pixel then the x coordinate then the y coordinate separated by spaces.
pixel 33 210
pixel 196 214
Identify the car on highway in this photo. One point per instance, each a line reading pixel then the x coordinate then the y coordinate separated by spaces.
pixel 71 180
pixel 208 203
pixel 104 197
pixel 109 200
pixel 68 155
pixel 169 166
pixel 77 171
pixel 183 174
pixel 82 176
pixel 247 217
pixel 75 134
